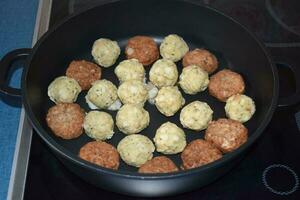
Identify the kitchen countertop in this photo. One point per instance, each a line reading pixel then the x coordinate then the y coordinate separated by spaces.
pixel 17 20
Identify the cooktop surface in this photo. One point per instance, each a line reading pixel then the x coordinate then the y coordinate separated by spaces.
pixel 270 170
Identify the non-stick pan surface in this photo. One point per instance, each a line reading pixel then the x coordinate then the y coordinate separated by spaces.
pixel 156 118
pixel 200 27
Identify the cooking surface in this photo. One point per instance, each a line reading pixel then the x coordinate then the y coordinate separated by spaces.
pixel 269 170
pixel 49 179
pixel 156 118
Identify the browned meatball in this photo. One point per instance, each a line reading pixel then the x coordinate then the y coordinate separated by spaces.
pixel 142 48
pixel 66 120
pixel 100 153
pixel 226 134
pixel 225 84
pixel 84 72
pixel 202 58
pixel 159 164
pixel 199 152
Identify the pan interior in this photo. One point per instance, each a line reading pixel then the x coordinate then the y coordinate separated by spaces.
pixel 200 28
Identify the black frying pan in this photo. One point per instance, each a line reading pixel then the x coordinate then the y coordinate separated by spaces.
pixel 235 47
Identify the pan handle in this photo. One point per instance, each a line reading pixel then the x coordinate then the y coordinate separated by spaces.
pixel 286 53
pixel 11 96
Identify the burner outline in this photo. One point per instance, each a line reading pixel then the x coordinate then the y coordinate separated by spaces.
pixel 277 19
pixel 283 193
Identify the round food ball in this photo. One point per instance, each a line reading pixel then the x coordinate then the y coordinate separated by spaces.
pixel 193 79
pixel 142 48
pixel 159 164
pixel 169 100
pixel 199 152
pixel 105 52
pixel 100 153
pixel 202 58
pixel 225 84
pixel 130 70
pixel 163 73
pixel 226 134
pixel 133 92
pixel 65 120
pixel 136 150
pixel 102 94
pixel 173 47
pixel 169 139
pixel 64 90
pixel 99 125
pixel 84 72
pixel 240 107
pixel 132 119
pixel 196 115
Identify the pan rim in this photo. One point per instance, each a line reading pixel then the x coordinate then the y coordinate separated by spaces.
pixel 66 154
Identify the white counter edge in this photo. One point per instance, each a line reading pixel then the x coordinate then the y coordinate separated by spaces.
pixel 22 148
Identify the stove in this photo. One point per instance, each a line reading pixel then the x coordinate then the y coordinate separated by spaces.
pixel 270 170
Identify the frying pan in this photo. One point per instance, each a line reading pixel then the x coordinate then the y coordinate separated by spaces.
pixel 201 26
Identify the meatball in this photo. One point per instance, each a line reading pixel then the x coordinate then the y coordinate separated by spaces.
pixel 169 100
pixel 225 84
pixel 240 107
pixel 142 48
pixel 102 94
pixel 84 72
pixel 226 134
pixel 202 58
pixel 132 119
pixel 99 125
pixel 169 139
pixel 196 115
pixel 193 79
pixel 199 152
pixel 159 164
pixel 135 150
pixel 133 92
pixel 65 120
pixel 64 90
pixel 100 153
pixel 130 70
pixel 105 52
pixel 173 47
pixel 163 73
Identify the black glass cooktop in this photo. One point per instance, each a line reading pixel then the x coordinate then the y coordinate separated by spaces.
pixel 270 169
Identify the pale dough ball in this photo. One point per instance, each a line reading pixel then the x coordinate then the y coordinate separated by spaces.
pixel 133 92
pixel 163 73
pixel 173 47
pixel 64 90
pixel 240 107
pixel 130 69
pixel 196 115
pixel 102 94
pixel 136 149
pixel 132 119
pixel 169 139
pixel 169 100
pixel 193 79
pixel 99 125
pixel 105 52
